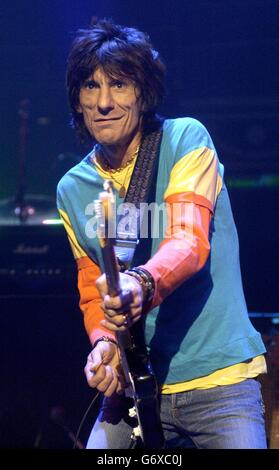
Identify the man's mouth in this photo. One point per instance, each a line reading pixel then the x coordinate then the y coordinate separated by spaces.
pixel 108 119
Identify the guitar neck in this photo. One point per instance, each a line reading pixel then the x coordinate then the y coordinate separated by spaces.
pixel 111 270
pixel 113 282
pixel 141 383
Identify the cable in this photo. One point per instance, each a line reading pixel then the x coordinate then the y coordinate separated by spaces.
pixel 83 419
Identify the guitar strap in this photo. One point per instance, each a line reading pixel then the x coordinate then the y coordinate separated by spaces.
pixel 130 248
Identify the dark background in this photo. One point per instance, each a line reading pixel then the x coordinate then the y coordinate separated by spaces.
pixel 222 60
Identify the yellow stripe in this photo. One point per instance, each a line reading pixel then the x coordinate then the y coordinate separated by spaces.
pixel 227 376
pixel 78 252
pixel 199 172
pixel 120 178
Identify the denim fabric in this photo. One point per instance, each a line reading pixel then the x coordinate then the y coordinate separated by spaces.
pixel 223 417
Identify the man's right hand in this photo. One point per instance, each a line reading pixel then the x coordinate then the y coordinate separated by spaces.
pixel 103 369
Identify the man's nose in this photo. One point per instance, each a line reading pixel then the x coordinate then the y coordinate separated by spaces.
pixel 105 100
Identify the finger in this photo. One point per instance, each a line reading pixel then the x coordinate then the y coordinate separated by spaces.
pixel 103 385
pixel 110 326
pixel 127 297
pixel 135 311
pixel 137 301
pixel 101 354
pixel 126 322
pixel 129 320
pixel 120 386
pixel 112 302
pixel 135 319
pixel 117 320
pixel 94 378
pixel 101 284
pixel 94 366
pixel 112 387
pixel 94 360
pixel 111 313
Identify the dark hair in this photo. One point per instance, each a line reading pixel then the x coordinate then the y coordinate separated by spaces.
pixel 122 52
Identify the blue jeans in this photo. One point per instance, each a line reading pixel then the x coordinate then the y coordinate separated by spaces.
pixel 223 417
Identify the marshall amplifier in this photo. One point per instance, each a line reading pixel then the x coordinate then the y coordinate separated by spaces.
pixel 36 260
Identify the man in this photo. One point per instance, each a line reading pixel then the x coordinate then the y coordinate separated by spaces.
pixel 204 350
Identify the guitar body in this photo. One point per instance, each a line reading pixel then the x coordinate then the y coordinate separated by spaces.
pixel 142 384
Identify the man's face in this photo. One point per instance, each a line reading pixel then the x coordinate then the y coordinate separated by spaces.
pixel 111 109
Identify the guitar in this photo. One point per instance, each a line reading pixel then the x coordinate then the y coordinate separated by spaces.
pixel 142 385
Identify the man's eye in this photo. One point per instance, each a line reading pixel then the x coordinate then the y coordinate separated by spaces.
pixel 118 84
pixel 90 84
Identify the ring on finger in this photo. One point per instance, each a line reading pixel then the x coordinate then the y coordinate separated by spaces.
pixel 126 319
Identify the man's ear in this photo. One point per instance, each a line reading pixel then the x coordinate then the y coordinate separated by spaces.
pixel 78 109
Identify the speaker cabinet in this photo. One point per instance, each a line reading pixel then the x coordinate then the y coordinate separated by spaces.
pixel 44 392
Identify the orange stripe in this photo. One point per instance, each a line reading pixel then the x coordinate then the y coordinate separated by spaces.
pixel 86 262
pixel 190 196
pixel 90 299
pixel 184 250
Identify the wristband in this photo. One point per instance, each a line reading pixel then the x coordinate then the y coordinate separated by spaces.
pixel 104 338
pixel 146 282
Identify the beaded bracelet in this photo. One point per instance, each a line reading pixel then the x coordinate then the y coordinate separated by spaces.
pixel 104 338
pixel 140 280
pixel 146 281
